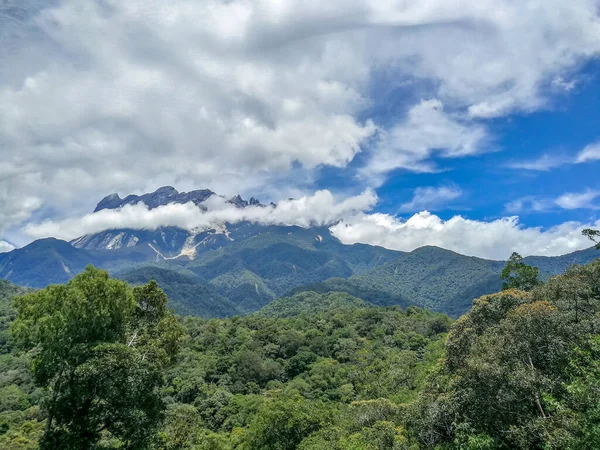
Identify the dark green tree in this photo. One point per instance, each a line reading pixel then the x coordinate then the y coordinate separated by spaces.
pixel 99 349
pixel 518 275
pixel 593 235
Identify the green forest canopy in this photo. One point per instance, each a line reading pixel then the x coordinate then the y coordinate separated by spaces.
pixel 519 370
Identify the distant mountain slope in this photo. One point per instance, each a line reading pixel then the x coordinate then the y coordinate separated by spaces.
pixel 437 279
pixel 440 279
pixel 52 261
pixel 43 262
pixel 9 290
pixel 553 265
pixel 356 288
pixel 311 303
pixel 187 294
pixel 254 272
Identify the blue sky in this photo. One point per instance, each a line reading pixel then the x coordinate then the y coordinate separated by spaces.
pixel 468 125
pixel 560 131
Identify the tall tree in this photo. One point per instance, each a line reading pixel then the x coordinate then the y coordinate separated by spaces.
pixel 99 348
pixel 518 275
pixel 593 235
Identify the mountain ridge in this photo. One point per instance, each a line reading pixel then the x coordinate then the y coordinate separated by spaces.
pixel 239 268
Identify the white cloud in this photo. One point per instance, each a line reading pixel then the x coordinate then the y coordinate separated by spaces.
pixel 432 198
pixel 350 222
pixel 493 240
pixel 546 162
pixel 543 163
pixel 427 129
pixel 6 247
pixel 238 95
pixel 577 200
pixel 590 152
pixel 560 83
pixel 528 203
pixel 319 209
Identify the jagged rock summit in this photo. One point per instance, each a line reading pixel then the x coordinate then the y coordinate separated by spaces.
pixel 168 242
pixel 162 196
pixel 166 195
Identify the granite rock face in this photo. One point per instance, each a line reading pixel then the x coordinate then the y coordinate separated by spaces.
pixel 162 196
pixel 167 195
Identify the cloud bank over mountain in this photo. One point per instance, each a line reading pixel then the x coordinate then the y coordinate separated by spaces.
pixel 349 219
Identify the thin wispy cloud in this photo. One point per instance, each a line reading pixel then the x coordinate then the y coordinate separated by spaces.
pixel 432 198
pixel 544 163
pixel 578 200
pixel 547 162
pixel 589 153
pixel 568 200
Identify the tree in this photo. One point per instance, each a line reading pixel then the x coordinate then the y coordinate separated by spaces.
pixel 99 349
pixel 518 275
pixel 282 424
pixel 593 235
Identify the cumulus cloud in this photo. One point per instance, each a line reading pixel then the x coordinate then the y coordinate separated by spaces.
pixel 560 83
pixel 237 95
pixel 432 198
pixel 494 240
pixel 318 209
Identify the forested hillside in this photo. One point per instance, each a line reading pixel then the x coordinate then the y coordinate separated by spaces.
pixel 247 266
pixel 318 371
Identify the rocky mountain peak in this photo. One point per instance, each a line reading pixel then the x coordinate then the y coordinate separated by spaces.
pixel 109 202
pixel 166 195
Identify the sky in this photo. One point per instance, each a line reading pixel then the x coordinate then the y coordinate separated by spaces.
pixel 469 125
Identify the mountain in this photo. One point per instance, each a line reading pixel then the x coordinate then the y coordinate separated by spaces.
pixel 43 262
pixel 239 268
pixel 428 277
pixel 311 303
pixel 162 196
pixel 254 271
pixel 53 261
pixel 167 242
pixel 440 279
pixel 187 293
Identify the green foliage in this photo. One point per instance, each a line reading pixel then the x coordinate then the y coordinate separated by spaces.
pixel 311 303
pixel 259 382
pixel 312 371
pixel 593 235
pixel 98 348
pixel 521 371
pixel 518 275
pixel 7 312
pixel 282 424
